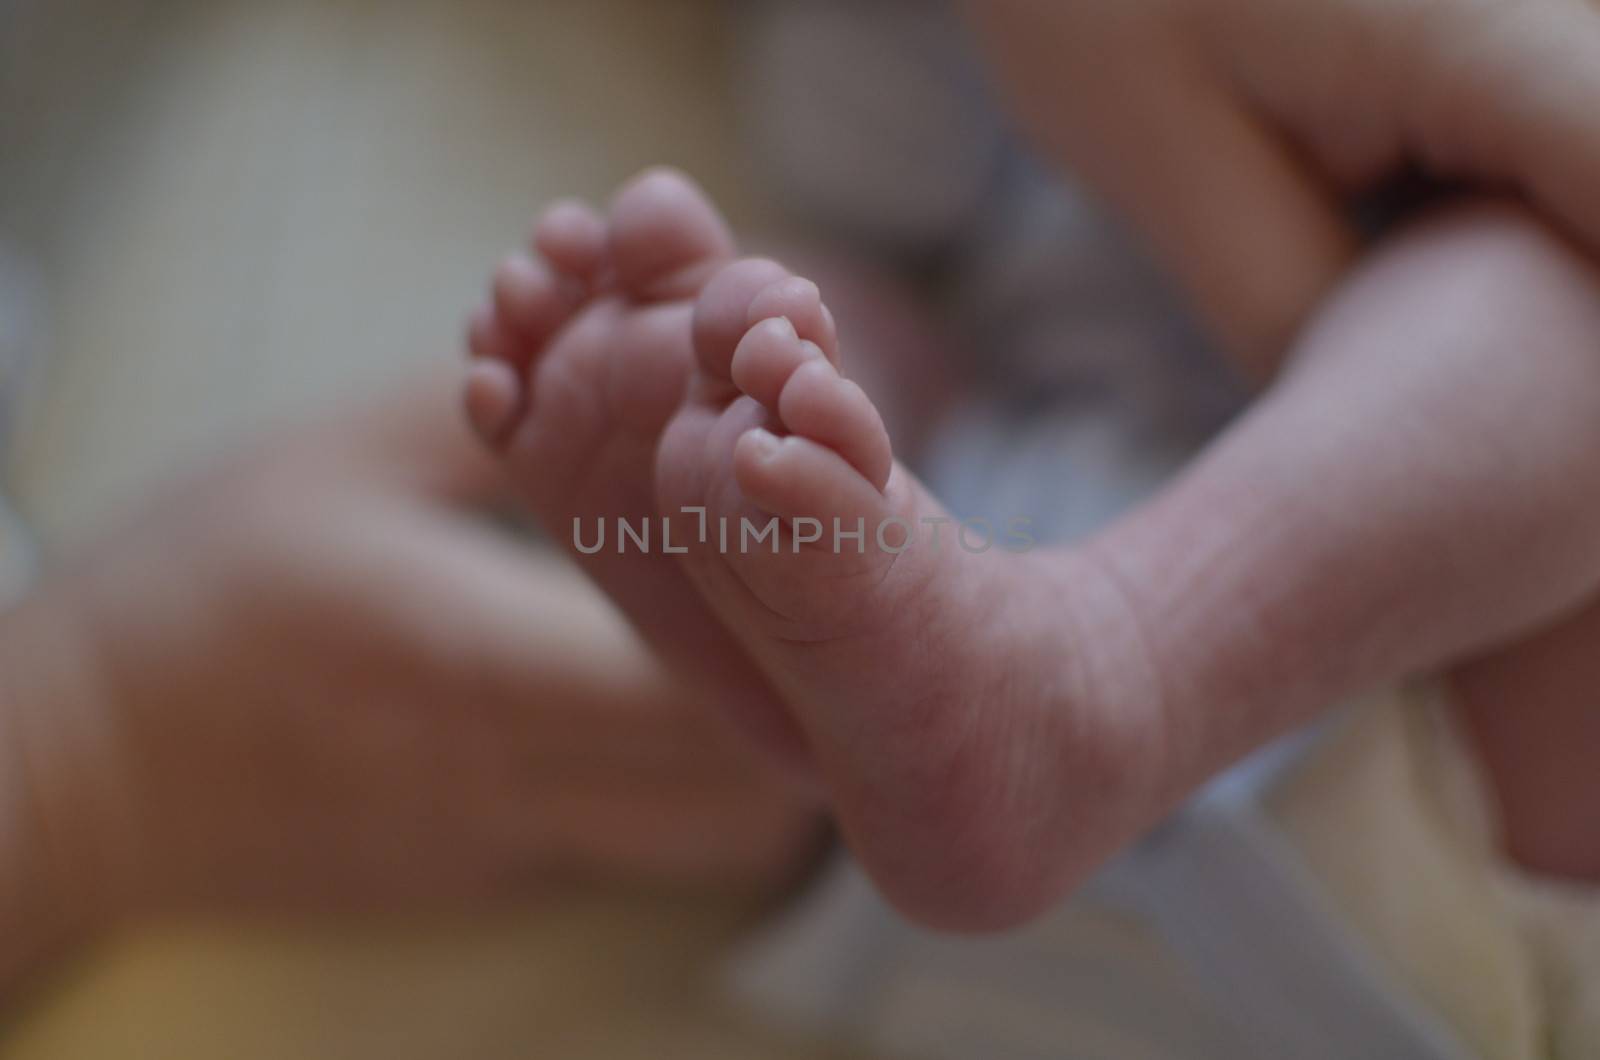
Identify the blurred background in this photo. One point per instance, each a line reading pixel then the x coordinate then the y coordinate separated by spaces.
pixel 235 211
pixel 219 214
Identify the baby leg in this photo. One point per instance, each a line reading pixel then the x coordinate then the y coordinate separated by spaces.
pixel 1419 484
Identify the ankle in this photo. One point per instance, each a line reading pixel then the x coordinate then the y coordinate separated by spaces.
pixel 1123 685
pixel 1050 758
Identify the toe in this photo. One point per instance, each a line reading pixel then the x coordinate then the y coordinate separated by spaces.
pixel 533 303
pixel 796 478
pixel 817 403
pixel 572 237
pixel 767 356
pixel 798 300
pixel 494 398
pixel 722 314
pixel 666 236
pixel 487 336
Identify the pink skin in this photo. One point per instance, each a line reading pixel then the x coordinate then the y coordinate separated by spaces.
pixel 1532 712
pixel 876 651
pixel 578 361
pixel 1419 485
pixel 991 727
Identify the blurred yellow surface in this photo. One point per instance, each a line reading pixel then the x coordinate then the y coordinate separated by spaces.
pixel 245 210
pixel 592 977
pixel 248 209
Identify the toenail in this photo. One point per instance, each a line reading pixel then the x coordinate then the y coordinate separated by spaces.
pixel 512 276
pixel 785 327
pixel 764 442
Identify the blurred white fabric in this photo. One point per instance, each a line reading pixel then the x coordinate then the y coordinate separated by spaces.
pixel 1210 940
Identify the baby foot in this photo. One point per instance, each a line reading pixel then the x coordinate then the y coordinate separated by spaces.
pixel 579 360
pixel 952 686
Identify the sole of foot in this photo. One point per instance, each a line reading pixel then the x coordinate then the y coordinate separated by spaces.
pixel 579 359
pixel 943 674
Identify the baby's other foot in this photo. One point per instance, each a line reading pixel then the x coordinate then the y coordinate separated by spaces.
pixel 580 358
pixel 949 682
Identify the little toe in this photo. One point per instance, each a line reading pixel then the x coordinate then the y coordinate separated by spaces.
pixel 533 302
pixel 572 237
pixel 488 338
pixel 768 355
pixel 666 237
pixel 493 396
pixel 799 301
pixel 722 313
pixel 819 404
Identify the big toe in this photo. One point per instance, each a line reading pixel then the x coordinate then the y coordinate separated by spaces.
pixel 666 236
pixel 722 313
